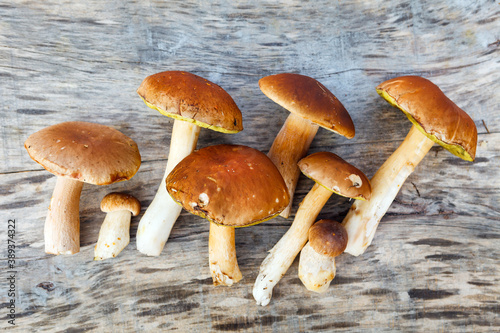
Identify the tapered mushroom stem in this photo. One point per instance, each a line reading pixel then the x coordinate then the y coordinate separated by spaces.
pixel 290 145
pixel 281 256
pixel 316 271
pixel 222 255
pixel 364 216
pixel 114 235
pixel 62 225
pixel 155 226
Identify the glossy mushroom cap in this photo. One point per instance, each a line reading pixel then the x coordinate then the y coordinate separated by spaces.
pixel 434 114
pixel 335 174
pixel 114 201
pixel 308 98
pixel 230 185
pixel 88 152
pixel 328 238
pixel 185 96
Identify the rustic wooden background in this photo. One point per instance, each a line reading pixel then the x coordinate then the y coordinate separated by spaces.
pixel 434 264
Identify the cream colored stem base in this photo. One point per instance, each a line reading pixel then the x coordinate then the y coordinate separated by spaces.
pixel 290 145
pixel 316 271
pixel 282 255
pixel 114 235
pixel 222 256
pixel 62 226
pixel 155 226
pixel 364 216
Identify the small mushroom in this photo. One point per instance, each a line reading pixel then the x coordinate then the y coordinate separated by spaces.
pixel 78 152
pixel 114 235
pixel 435 118
pixel 331 175
pixel 327 240
pixel 231 186
pixel 311 105
pixel 193 102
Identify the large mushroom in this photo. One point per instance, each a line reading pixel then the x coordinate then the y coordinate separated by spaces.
pixel 331 175
pixel 77 153
pixel 193 102
pixel 114 235
pixel 311 105
pixel 435 118
pixel 327 240
pixel 231 186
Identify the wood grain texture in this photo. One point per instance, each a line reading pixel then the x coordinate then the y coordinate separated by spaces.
pixel 433 265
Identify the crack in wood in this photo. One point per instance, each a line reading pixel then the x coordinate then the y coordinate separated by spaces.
pixel 495 43
pixel 484 124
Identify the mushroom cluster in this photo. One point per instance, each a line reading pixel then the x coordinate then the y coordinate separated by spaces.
pixel 331 174
pixel 78 152
pixel 237 186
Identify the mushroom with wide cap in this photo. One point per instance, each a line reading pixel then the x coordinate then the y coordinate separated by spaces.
pixel 331 175
pixel 193 102
pixel 114 235
pixel 78 152
pixel 435 118
pixel 311 105
pixel 327 240
pixel 231 186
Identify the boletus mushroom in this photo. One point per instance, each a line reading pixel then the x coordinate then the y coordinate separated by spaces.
pixel 331 175
pixel 114 235
pixel 311 105
pixel 78 152
pixel 193 102
pixel 435 118
pixel 231 186
pixel 327 240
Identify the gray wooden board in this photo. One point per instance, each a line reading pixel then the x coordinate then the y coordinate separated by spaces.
pixel 434 263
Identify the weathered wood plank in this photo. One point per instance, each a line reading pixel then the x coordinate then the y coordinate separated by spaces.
pixel 54 71
pixel 433 262
pixel 433 266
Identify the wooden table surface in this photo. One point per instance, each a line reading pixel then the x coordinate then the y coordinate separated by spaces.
pixel 434 263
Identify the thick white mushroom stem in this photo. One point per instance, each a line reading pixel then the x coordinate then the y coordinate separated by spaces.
pixel 290 145
pixel 316 271
pixel 157 222
pixel 114 235
pixel 364 216
pixel 282 255
pixel 62 225
pixel 222 256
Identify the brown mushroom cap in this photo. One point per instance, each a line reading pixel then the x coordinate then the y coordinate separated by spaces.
pixel 328 238
pixel 308 98
pixel 185 96
pixel 114 201
pixel 88 152
pixel 433 113
pixel 229 185
pixel 335 174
